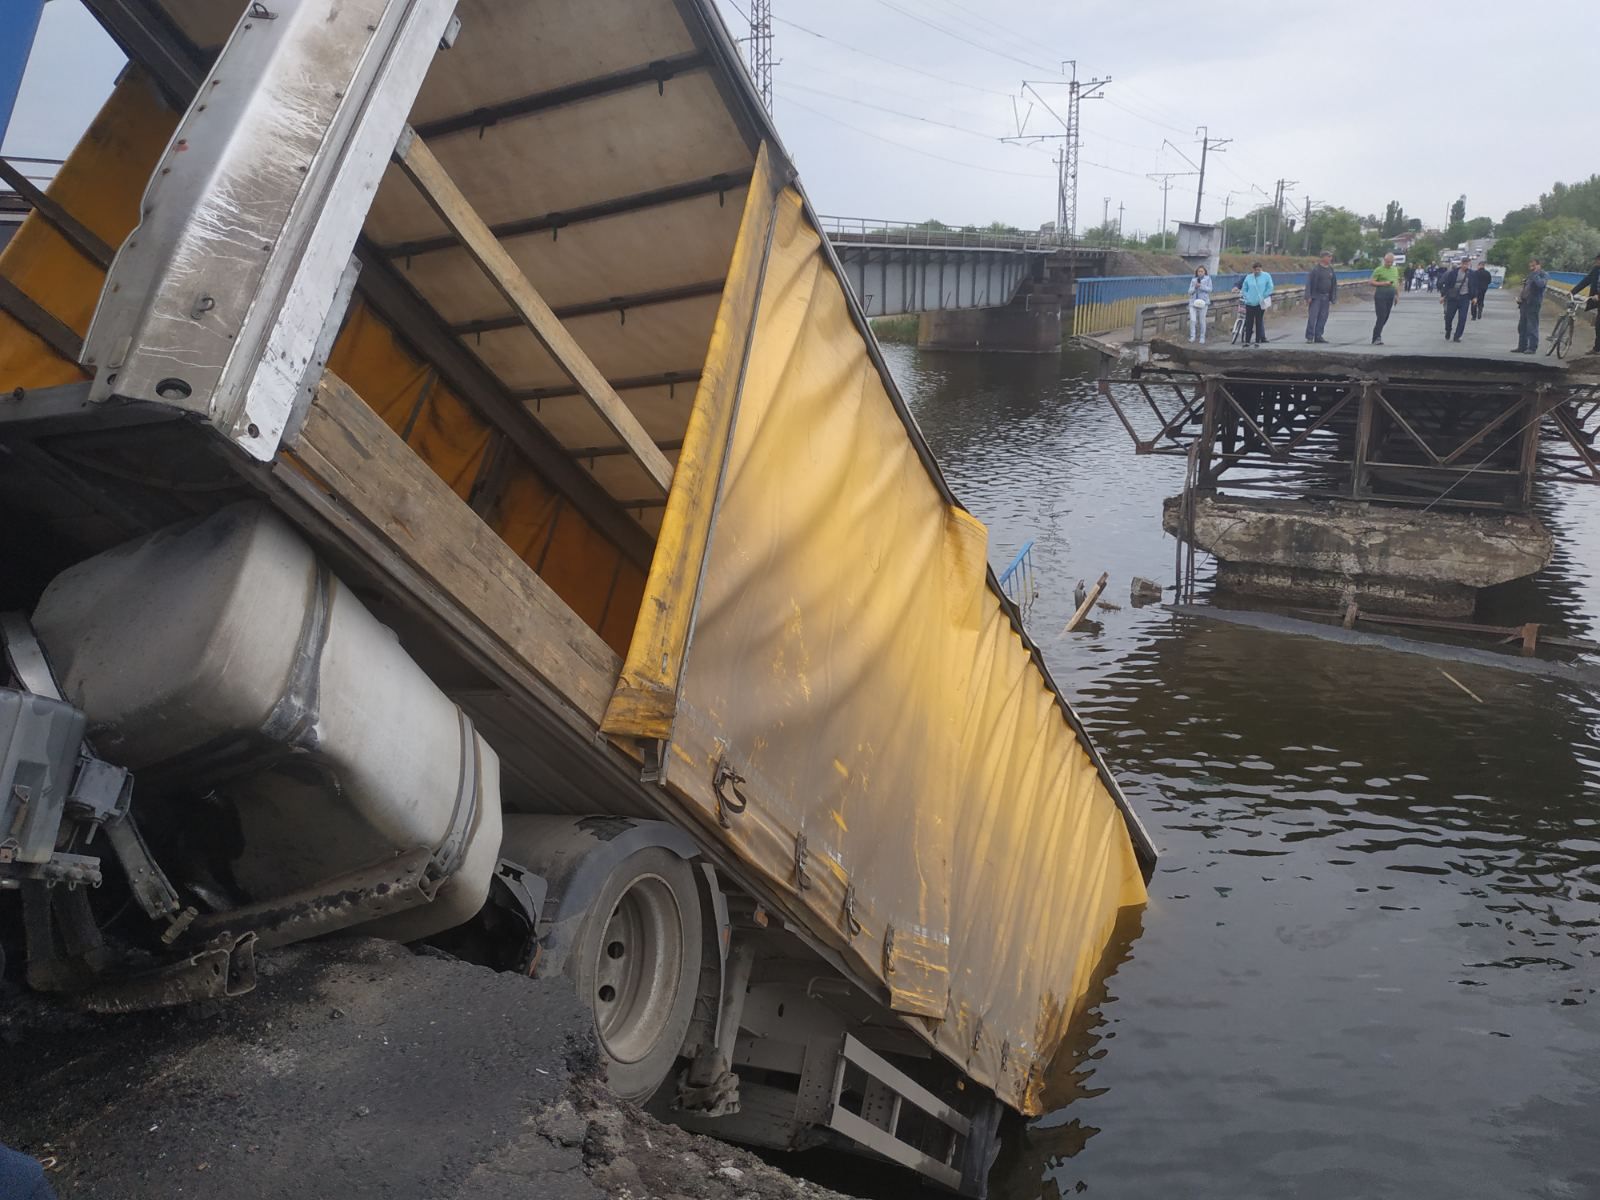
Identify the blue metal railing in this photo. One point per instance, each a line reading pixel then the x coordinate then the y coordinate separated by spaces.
pixel 1018 581
pixel 1111 302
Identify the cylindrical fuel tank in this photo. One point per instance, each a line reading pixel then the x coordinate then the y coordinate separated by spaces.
pixel 222 654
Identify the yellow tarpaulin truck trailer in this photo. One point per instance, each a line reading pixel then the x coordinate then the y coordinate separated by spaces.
pixel 448 490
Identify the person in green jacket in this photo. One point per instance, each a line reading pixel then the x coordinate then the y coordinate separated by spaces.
pixel 1385 290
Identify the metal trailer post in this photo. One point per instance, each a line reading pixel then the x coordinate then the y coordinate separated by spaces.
pixel 19 22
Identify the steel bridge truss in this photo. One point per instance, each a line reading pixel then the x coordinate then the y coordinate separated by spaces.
pixel 1434 442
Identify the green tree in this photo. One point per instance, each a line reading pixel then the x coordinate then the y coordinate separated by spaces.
pixel 1373 247
pixel 1520 221
pixel 1458 212
pixel 1394 219
pixel 1335 229
pixel 1422 253
pixel 1561 244
pixel 1478 227
pixel 1103 235
pixel 933 226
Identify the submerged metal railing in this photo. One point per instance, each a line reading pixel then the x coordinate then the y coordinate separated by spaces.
pixel 1019 582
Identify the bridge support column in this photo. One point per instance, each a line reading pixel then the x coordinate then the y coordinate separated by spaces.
pixel 1030 324
pixel 1336 553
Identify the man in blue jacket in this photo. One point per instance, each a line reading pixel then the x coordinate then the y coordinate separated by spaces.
pixel 1530 300
pixel 1255 289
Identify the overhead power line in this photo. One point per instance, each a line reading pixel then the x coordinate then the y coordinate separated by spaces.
pixel 857 87
pixel 891 62
pixel 916 149
pixel 964 39
pixel 1143 117
pixel 1003 33
pixel 988 137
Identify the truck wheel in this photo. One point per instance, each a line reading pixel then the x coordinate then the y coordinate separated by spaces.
pixel 636 964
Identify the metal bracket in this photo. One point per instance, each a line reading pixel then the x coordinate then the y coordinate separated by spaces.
pixel 25 656
pixel 318 363
pixel 851 922
pixel 452 31
pixel 725 777
pixel 802 854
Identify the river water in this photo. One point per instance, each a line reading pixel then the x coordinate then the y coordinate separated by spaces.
pixel 1370 959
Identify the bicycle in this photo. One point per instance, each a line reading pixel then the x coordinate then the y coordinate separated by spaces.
pixel 1238 323
pixel 1561 335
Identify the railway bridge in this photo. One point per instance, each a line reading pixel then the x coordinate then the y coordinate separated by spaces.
pixel 972 289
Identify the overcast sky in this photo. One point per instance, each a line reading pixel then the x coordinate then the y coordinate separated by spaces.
pixel 897 109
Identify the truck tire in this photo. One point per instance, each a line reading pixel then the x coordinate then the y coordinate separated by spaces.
pixel 636 964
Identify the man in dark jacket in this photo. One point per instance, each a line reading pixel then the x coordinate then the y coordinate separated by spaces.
pixel 1591 281
pixel 1481 279
pixel 1455 293
pixel 1530 300
pixel 1322 292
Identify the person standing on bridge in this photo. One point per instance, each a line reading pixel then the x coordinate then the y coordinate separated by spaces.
pixel 1199 304
pixel 1255 289
pixel 1322 293
pixel 1455 293
pixel 1591 281
pixel 1385 290
pixel 1481 279
pixel 1411 276
pixel 1530 300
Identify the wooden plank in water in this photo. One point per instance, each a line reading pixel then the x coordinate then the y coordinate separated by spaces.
pixel 1088 603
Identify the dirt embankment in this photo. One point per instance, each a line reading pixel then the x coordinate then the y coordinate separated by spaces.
pixel 355 1070
pixel 1130 262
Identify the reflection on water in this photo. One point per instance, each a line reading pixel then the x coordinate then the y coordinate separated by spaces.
pixel 1370 960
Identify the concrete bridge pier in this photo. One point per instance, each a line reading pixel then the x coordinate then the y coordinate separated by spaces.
pixel 1330 554
pixel 1030 324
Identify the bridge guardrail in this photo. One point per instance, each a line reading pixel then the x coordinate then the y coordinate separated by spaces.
pixel 872 232
pixel 1172 316
pixel 1113 302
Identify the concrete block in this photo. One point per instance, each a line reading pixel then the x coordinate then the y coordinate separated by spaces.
pixel 1392 559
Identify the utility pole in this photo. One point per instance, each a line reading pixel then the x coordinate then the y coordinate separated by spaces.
pixel 1105 214
pixel 1119 222
pixel 1305 229
pixel 761 49
pixel 1165 178
pixel 1207 144
pixel 1277 222
pixel 1071 140
pixel 1076 94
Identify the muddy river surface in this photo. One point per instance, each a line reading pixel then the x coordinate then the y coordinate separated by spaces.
pixel 1370 961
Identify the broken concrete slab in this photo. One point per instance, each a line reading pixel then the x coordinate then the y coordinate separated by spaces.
pixel 1394 559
